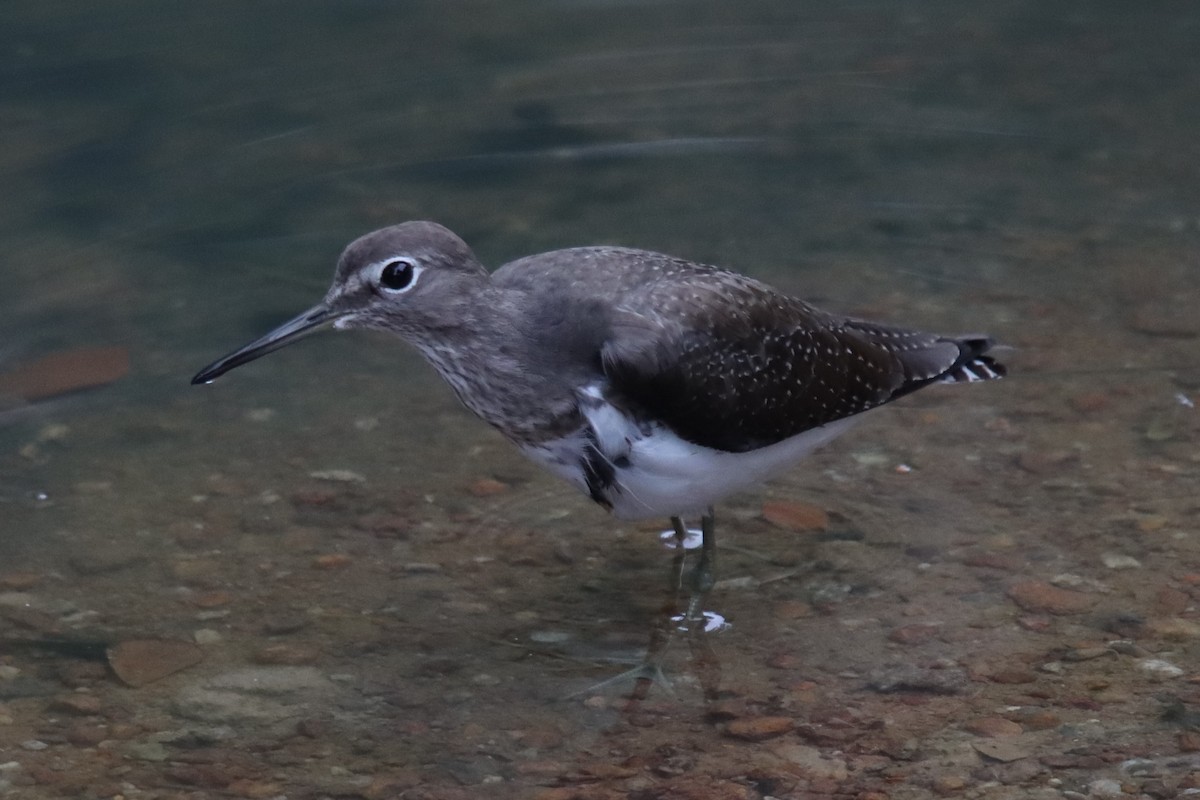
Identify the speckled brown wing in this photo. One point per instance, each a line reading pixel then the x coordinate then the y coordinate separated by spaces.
pixel 727 363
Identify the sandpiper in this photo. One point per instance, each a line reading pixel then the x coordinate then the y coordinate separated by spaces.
pixel 655 385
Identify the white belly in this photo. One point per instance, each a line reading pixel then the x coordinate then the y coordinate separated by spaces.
pixel 656 473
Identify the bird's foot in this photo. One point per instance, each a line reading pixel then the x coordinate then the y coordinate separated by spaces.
pixel 643 677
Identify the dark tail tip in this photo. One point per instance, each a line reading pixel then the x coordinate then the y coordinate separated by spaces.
pixel 973 365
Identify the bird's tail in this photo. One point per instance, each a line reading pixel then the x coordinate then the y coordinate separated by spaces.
pixel 972 365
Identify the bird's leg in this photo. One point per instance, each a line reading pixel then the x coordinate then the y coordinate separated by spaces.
pixel 674 616
pixel 700 582
pixel 650 671
pixel 681 535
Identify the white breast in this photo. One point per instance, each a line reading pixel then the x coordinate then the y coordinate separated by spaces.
pixel 656 473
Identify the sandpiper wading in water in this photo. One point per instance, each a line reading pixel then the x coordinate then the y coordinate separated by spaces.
pixel 655 385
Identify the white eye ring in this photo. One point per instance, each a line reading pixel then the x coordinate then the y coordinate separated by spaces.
pixel 398 275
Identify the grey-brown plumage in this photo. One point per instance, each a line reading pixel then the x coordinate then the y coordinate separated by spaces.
pixel 654 384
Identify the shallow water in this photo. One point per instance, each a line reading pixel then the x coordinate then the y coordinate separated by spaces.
pixel 1002 602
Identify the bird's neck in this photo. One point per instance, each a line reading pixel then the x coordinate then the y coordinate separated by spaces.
pixel 482 355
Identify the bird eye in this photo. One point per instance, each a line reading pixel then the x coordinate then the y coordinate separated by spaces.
pixel 397 275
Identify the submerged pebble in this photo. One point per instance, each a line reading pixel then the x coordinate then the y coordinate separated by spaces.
pixel 1119 561
pixel 1159 668
pixel 1039 596
pixel 138 662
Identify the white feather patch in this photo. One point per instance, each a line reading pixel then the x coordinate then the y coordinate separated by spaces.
pixel 660 474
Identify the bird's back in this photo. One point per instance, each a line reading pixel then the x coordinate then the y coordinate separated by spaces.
pixel 722 359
